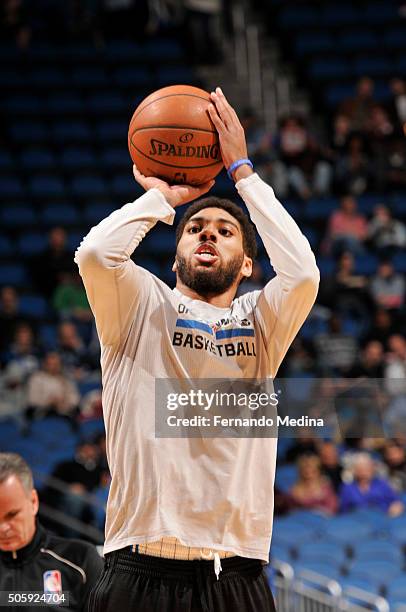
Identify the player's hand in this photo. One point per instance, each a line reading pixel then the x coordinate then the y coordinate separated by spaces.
pixel 231 133
pixel 175 195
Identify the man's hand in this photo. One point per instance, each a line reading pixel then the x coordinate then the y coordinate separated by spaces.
pixel 175 195
pixel 231 133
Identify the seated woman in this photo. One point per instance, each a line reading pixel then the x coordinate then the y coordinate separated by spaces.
pixel 313 491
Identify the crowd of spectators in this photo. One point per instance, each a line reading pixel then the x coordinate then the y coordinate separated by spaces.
pixel 333 479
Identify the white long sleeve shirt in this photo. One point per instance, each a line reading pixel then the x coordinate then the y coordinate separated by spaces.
pixel 213 493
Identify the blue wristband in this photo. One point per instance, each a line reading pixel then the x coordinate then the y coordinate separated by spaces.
pixel 237 164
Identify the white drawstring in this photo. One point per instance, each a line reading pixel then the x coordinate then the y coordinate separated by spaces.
pixel 217 562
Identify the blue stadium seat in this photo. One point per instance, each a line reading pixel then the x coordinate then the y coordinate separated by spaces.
pixel 334 94
pixel 18 216
pixel 326 265
pixel 12 274
pixel 298 17
pixel 323 552
pixel 123 51
pixel 48 336
pixel 286 476
pixel 25 105
pixel 31 243
pixel 397 605
pixel 63 214
pixel 382 572
pixel 34 306
pixel 314 520
pixel 72 131
pixel 397 588
pixel 399 262
pixel 6 160
pixel 336 15
pixel 74 240
pixel 395 38
pixel 90 77
pixel 367 201
pixel 75 158
pixel 11 187
pixel 280 553
pixel 48 78
pixel 384 550
pixel 315 42
pixel 93 213
pixel 115 158
pixel 26 132
pixel 65 104
pixel 320 209
pixel 374 66
pixel 324 569
pixel 358 40
pixel 91 185
pixel 106 104
pixel 398 530
pixel 344 529
pixel 133 76
pixel 370 586
pixel 90 428
pixel 290 534
pixel 379 13
pixel 47 186
pixel 330 68
pixel 162 50
pixel 398 205
pixel 6 246
pixel 172 75
pixel 366 264
pixel 112 131
pixel 37 159
pixel 312 235
pixel 124 187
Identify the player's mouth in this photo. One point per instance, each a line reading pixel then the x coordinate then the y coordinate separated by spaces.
pixel 206 254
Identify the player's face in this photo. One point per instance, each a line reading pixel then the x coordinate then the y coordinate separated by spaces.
pixel 210 256
pixel 18 509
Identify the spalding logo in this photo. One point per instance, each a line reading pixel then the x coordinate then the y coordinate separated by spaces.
pixel 188 137
pixel 160 149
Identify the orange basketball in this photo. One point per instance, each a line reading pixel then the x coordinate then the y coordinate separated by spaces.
pixel 171 136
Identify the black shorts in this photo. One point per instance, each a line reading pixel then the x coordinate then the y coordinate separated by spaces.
pixel 132 582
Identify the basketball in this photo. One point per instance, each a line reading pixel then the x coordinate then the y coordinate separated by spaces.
pixel 171 136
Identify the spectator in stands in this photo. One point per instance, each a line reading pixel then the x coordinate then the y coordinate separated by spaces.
pixel 13 395
pixel 303 166
pixel 299 361
pixel 386 233
pixel 23 352
pixel 347 292
pixel 353 169
pixel 370 362
pixel 14 23
pixel 51 392
pixel 358 108
pixel 395 385
pixel 394 457
pixel 347 229
pixel 48 267
pixel 367 490
pixel 81 475
pixel 395 170
pixel 330 463
pixel 70 299
pixel 382 327
pixel 341 136
pixel 72 350
pixel 313 491
pixel 10 318
pixel 397 104
pixel 28 552
pixel 388 287
pixel 336 351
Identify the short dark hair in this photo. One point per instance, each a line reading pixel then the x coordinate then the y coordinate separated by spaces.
pixel 12 464
pixel 248 232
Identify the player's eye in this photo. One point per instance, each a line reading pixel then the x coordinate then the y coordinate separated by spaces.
pixel 225 232
pixel 194 229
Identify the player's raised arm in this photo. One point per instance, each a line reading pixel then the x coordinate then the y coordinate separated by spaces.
pixel 287 299
pixel 114 284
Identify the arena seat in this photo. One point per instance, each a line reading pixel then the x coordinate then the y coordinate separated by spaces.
pixel 38 159
pixel 6 246
pixel 64 214
pixel 31 243
pixel 91 185
pixel 47 186
pixel 77 159
pixel 33 306
pixel 93 213
pixel 12 274
pixel 18 216
pixel 376 549
pixel 381 572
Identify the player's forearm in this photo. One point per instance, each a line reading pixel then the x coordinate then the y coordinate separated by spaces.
pixel 288 249
pixel 113 240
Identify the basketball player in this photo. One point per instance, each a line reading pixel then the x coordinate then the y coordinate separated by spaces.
pixel 189 521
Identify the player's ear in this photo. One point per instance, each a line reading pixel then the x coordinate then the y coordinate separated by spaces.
pixel 246 268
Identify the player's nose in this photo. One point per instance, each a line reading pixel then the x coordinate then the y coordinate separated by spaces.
pixel 208 234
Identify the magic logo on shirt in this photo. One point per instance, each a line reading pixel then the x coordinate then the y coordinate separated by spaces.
pixel 200 335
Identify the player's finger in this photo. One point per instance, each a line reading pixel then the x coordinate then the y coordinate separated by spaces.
pixel 223 105
pixel 218 123
pixel 140 178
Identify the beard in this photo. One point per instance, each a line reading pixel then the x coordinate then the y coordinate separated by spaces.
pixel 209 281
